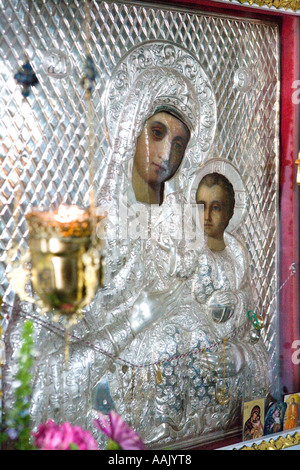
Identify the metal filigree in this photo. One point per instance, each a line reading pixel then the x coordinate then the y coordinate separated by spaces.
pixel 293 5
pixel 183 86
pixel 279 443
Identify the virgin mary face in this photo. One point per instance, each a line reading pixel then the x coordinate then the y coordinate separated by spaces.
pixel 160 148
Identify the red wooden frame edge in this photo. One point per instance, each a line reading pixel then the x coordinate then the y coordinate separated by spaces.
pixel 289 203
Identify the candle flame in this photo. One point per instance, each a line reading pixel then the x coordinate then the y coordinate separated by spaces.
pixel 67 214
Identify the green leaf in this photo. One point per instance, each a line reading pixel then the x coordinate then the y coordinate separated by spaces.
pixel 18 417
pixel 73 446
pixel 112 445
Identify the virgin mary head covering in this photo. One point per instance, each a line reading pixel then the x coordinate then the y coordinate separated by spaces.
pixel 153 77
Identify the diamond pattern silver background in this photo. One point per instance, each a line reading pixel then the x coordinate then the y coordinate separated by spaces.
pixel 44 142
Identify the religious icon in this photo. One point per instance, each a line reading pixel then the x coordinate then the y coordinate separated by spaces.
pixel 292 415
pixel 253 422
pixel 274 418
pixel 138 348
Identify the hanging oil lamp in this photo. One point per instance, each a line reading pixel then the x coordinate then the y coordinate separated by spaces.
pixel 66 263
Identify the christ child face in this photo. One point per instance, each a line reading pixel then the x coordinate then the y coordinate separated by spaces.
pixel 216 210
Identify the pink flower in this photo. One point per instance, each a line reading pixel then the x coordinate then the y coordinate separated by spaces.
pixel 52 436
pixel 118 431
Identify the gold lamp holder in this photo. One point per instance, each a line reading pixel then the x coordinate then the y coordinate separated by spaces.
pixel 64 263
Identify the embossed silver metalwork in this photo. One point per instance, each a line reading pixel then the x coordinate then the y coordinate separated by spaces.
pixel 175 80
pixel 150 48
pixel 56 64
pixel 243 79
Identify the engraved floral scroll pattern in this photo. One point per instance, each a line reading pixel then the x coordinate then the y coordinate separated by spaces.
pixel 146 60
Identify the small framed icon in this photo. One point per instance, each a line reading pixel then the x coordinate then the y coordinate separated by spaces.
pixel 253 419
